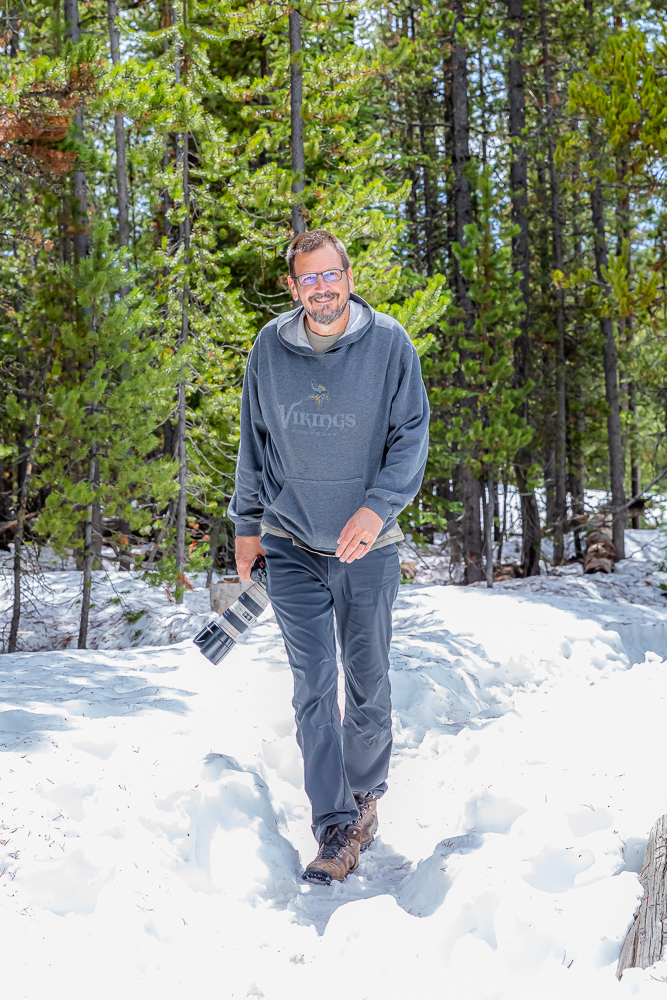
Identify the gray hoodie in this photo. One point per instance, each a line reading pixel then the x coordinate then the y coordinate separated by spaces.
pixel 325 434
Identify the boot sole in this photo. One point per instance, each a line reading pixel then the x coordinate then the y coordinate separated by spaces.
pixel 316 876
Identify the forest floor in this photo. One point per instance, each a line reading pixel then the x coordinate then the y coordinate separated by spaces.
pixel 153 822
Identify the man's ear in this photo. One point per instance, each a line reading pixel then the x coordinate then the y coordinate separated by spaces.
pixel 293 289
pixel 350 278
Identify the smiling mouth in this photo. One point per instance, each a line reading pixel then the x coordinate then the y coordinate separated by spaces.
pixel 323 297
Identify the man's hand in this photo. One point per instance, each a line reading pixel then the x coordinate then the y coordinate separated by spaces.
pixel 358 535
pixel 247 550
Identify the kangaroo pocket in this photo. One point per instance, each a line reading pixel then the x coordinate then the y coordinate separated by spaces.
pixel 316 510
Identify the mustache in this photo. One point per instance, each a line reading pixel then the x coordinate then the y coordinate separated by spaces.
pixel 325 306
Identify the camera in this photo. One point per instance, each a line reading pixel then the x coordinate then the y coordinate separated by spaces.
pixel 218 638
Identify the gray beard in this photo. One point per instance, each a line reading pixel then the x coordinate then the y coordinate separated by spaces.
pixel 328 317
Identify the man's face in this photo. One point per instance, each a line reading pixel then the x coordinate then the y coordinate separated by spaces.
pixel 325 301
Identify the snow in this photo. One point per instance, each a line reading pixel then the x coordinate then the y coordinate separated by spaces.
pixel 153 823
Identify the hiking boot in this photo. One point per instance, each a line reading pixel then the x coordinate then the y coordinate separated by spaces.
pixel 368 820
pixel 337 857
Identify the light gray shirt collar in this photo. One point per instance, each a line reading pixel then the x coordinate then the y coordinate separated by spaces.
pixel 292 328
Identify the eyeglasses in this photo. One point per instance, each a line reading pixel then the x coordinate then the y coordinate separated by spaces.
pixel 334 274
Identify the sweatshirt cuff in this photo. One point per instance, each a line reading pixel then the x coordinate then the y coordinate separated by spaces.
pixel 249 530
pixel 381 507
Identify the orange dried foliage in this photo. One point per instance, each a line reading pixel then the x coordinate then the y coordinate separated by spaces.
pixel 54 161
pixel 25 130
pixel 47 128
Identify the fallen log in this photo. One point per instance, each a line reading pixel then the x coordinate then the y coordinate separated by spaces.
pixel 506 571
pixel 12 525
pixel 600 552
pixel 409 570
pixel 646 939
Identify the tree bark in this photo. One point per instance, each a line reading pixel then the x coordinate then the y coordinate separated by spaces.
pixel 560 456
pixel 609 359
pixel 21 512
pixel 296 121
pixel 119 132
pixel 471 495
pixel 88 553
pixel 461 197
pixel 632 426
pixel 429 212
pixel 181 429
pixel 530 520
pixel 80 206
pixel 215 535
pixel 13 20
pixel 576 469
pixel 125 560
pixel 635 460
pixel 488 531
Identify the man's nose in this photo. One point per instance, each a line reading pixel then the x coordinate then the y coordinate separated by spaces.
pixel 321 285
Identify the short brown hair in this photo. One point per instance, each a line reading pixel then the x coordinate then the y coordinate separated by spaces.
pixel 313 240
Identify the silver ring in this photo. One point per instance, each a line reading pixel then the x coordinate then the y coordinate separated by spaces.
pixel 363 543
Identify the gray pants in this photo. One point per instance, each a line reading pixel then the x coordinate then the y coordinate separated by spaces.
pixel 305 589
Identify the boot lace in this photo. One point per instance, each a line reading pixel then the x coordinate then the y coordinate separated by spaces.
pixel 363 803
pixel 333 843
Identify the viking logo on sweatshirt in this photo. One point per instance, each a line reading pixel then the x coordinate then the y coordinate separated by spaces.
pixel 320 394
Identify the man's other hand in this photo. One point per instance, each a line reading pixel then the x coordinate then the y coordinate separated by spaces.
pixel 247 550
pixel 358 535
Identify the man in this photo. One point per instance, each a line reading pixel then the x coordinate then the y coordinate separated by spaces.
pixel 334 437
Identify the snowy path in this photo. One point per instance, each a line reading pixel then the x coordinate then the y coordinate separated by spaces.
pixel 153 821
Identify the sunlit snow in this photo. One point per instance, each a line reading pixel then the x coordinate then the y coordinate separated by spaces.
pixel 154 824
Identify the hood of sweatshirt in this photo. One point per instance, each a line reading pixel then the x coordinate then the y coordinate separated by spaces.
pixel 290 327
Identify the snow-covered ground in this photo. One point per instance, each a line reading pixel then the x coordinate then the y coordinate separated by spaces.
pixel 153 822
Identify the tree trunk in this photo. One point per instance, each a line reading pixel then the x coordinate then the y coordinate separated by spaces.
pixel 472 529
pixel 80 204
pixel 488 531
pixel 21 512
pixel 296 102
pixel 625 233
pixel 530 557
pixel 614 441
pixel 88 553
pixel 71 12
pixel 411 199
pixel 181 430
pixel 560 493
pixel 81 242
pixel 125 559
pixel 429 213
pixel 215 535
pixel 503 529
pixel 461 196
pixel 165 21
pixel 119 131
pixel 13 21
pixel 635 461
pixel 647 937
pixel 609 359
